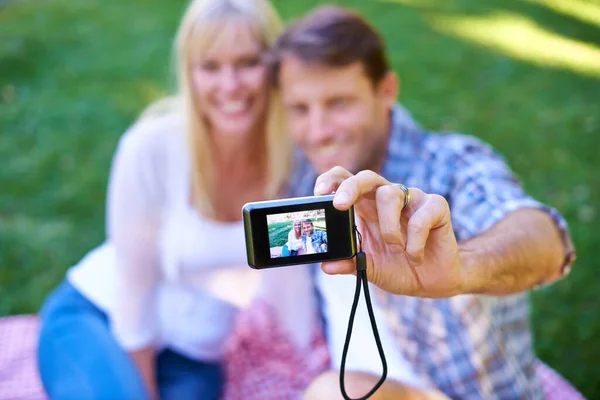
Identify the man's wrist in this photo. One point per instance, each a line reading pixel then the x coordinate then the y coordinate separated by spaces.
pixel 472 279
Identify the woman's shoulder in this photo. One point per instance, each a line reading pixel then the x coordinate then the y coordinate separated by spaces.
pixel 154 132
pixel 151 153
pixel 153 136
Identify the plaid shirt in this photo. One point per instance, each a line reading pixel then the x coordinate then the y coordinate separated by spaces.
pixel 468 346
pixel 318 239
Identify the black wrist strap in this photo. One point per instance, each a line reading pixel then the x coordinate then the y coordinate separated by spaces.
pixel 361 278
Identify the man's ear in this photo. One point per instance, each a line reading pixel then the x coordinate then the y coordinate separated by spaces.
pixel 389 88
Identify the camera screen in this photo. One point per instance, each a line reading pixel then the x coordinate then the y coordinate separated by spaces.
pixel 297 233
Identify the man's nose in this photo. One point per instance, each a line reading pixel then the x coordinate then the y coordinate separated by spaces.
pixel 319 127
pixel 230 81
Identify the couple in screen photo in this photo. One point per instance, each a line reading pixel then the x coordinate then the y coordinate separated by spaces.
pixel 305 239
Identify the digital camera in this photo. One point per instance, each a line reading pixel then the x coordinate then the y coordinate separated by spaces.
pixel 300 230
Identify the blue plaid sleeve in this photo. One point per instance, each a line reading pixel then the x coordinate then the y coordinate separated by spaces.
pixel 320 241
pixel 484 190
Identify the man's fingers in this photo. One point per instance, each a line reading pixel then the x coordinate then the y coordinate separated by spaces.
pixel 389 200
pixel 329 181
pixel 350 190
pixel 339 267
pixel 433 213
pixel 417 199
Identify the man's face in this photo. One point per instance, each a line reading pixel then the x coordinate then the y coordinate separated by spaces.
pixel 307 228
pixel 336 115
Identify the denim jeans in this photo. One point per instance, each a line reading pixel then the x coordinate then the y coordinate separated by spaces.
pixel 79 358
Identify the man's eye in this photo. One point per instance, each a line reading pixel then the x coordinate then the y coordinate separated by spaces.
pixel 249 62
pixel 209 66
pixel 297 109
pixel 339 102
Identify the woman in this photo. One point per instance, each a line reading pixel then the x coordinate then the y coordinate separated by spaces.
pixel 146 314
pixel 294 242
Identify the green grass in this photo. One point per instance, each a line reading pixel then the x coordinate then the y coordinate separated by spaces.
pixel 73 75
pixel 278 233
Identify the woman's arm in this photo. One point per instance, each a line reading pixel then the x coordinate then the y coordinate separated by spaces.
pixel 145 361
pixel 133 210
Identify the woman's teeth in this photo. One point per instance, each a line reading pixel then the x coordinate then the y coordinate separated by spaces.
pixel 330 149
pixel 234 106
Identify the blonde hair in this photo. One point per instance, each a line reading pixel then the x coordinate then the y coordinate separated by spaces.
pixel 201 23
pixel 299 221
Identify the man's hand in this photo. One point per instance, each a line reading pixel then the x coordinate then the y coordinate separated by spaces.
pixel 412 251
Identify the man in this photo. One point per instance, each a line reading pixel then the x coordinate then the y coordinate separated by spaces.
pixel 460 256
pixel 314 241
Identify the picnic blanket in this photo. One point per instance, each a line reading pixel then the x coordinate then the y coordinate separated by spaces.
pixel 261 363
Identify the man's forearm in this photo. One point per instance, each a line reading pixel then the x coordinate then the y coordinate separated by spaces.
pixel 522 250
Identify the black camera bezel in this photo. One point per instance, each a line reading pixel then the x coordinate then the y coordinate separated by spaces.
pixel 341 238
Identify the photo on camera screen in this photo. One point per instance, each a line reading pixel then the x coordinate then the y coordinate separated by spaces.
pixel 297 233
